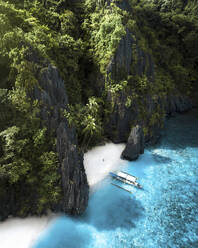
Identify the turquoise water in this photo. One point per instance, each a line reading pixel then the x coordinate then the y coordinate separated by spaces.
pixel 163 215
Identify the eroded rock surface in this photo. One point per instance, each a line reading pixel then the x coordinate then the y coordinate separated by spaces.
pixel 53 100
pixel 135 144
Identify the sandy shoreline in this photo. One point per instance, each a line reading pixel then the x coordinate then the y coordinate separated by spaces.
pixel 22 232
pixel 98 162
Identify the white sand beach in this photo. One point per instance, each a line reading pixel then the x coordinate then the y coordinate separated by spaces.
pixel 100 160
pixel 22 233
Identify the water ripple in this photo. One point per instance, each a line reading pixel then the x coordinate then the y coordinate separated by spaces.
pixel 163 215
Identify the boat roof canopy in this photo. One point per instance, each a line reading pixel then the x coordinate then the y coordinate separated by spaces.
pixel 127 176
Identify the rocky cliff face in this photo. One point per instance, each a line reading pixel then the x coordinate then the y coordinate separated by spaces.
pixel 135 144
pixel 52 97
pixel 120 120
pixel 178 103
pixel 131 60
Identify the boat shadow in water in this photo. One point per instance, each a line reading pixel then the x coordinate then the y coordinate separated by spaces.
pixel 112 208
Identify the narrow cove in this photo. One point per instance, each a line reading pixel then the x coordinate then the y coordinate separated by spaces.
pixel 164 214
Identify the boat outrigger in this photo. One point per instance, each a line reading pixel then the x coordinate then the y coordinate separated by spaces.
pixel 118 186
pixel 126 178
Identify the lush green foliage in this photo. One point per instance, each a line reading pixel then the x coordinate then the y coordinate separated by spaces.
pixel 104 28
pixel 81 38
pixel 28 159
pixel 27 154
pixel 170 29
pixel 87 120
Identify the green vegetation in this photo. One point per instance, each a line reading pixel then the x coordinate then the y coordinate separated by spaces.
pixel 81 38
pixel 28 159
pixel 170 29
pixel 103 26
pixel 87 121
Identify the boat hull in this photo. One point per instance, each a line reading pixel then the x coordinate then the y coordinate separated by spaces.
pixel 125 180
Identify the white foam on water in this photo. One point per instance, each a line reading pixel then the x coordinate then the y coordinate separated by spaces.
pixel 23 233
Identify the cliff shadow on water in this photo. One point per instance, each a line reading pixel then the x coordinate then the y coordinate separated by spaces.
pixel 111 208
pixel 180 131
pixel 115 217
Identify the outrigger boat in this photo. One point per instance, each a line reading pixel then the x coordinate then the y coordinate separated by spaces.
pixel 126 178
pixel 118 186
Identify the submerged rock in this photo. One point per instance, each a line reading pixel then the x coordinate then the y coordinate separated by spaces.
pixel 135 144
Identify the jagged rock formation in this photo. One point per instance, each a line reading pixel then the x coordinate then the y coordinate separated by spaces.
pixel 134 65
pixel 178 104
pixel 135 144
pixel 120 120
pixel 136 140
pixel 130 60
pixel 52 97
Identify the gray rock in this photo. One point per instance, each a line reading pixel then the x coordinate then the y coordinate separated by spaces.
pixel 124 5
pixel 177 103
pixel 119 121
pixel 120 64
pixel 135 144
pixel 130 59
pixel 52 98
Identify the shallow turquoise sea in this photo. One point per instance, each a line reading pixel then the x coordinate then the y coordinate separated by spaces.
pixel 162 215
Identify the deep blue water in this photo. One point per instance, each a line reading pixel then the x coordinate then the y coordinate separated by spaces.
pixel 163 215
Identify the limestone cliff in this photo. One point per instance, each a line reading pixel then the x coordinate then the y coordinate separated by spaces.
pixel 52 97
pixel 123 64
pixel 147 109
